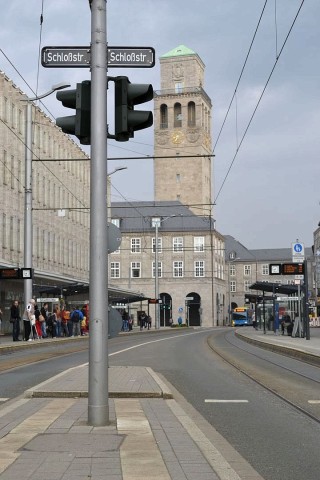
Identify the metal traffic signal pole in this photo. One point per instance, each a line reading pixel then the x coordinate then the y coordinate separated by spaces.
pixel 98 408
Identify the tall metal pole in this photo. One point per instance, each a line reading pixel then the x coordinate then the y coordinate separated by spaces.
pixel 28 204
pixel 98 408
pixel 229 296
pixel 156 280
pixel 306 301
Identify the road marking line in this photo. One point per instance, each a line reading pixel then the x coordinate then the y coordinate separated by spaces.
pixel 209 400
pixel 159 340
pixel 314 402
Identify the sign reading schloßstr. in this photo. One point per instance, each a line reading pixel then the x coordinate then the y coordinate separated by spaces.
pixel 80 57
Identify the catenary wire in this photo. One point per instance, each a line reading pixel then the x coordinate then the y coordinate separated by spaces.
pixel 259 101
pixel 240 76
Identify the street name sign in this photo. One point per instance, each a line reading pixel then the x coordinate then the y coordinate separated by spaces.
pixel 80 57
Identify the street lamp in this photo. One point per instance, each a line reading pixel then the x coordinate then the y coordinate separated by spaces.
pixel 28 188
pixel 156 270
pixel 117 169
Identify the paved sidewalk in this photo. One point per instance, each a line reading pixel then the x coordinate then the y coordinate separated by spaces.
pixel 45 435
pixel 308 350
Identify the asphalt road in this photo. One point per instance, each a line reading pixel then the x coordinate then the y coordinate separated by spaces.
pixel 279 441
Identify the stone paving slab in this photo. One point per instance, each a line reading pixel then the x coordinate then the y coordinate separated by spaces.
pixel 130 382
pixel 147 438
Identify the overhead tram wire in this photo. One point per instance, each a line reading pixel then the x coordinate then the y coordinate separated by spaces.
pixel 241 73
pixel 23 143
pixel 259 100
pixel 33 160
pixel 151 157
pixel 21 140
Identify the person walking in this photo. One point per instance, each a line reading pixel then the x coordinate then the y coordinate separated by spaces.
pixel 44 313
pixel 38 322
pixel 57 312
pixel 28 317
pixel 76 318
pixel 65 316
pixel 15 320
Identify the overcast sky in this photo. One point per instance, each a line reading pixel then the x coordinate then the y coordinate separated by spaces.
pixel 271 195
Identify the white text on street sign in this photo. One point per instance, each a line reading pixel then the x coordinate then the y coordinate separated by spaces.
pixel 80 57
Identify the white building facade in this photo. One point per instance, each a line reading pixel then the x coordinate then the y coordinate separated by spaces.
pixel 191 270
pixel 60 198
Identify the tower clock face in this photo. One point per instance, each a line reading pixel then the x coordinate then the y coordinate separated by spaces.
pixel 177 137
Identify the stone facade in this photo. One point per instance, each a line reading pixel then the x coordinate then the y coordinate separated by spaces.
pixel 182 126
pixel 185 238
pixel 60 242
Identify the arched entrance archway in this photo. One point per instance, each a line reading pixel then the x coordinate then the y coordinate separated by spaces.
pixel 193 309
pixel 165 309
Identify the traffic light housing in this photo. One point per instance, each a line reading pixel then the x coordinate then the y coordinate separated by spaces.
pixel 128 120
pixel 80 123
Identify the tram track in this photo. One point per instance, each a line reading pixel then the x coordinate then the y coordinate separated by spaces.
pixel 288 383
pixel 11 359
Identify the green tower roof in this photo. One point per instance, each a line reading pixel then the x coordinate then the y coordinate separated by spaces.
pixel 179 51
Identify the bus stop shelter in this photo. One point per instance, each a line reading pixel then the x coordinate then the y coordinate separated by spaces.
pixel 295 295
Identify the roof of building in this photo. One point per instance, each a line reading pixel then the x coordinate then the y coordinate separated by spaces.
pixel 176 217
pixel 178 52
pixel 241 253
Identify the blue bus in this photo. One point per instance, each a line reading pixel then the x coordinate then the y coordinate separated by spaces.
pixel 241 316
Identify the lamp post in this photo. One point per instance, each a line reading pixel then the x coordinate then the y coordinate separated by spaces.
pixel 117 169
pixel 156 269
pixel 28 240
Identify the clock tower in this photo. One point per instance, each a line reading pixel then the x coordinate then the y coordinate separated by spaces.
pixel 182 126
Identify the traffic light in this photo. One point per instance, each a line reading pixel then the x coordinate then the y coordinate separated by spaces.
pixel 128 120
pixel 80 100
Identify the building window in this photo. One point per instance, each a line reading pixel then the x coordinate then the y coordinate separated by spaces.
pixel 232 270
pixel 116 222
pixel 198 243
pixel 233 286
pixel 135 245
pixel 177 122
pixel 191 114
pixel 178 177
pixel 163 116
pixel 199 268
pixel 177 244
pixel 115 269
pixel 247 284
pixel 178 87
pixel 159 245
pixel 135 269
pixel 178 269
pixel 4 231
pixel 5 175
pixel 265 269
pixel 159 269
pixel 247 270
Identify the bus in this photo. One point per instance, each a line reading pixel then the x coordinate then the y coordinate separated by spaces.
pixel 241 316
